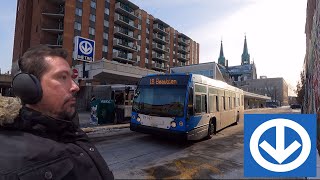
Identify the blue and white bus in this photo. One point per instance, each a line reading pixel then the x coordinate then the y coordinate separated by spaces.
pixel 188 106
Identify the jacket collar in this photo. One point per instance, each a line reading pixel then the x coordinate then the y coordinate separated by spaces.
pixel 36 123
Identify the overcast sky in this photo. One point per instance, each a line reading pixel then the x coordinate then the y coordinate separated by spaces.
pixel 274 29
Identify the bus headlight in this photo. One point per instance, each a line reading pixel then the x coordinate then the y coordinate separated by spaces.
pixel 173 124
pixel 138 119
pixel 133 117
pixel 180 123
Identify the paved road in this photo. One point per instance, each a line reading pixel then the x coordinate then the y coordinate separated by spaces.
pixel 132 155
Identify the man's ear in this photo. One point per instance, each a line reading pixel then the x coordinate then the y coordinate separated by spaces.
pixel 27 87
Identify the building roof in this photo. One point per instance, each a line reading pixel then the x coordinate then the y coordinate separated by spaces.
pixel 241 69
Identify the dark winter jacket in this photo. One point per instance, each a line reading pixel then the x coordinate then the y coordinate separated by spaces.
pixel 34 147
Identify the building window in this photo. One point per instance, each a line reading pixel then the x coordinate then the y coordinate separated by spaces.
pixel 106 23
pixel 106 11
pixel 92 18
pixel 93 4
pixel 105 36
pixel 80 0
pixel 104 48
pixel 78 12
pixel 138 58
pixel 91 31
pixel 147 60
pixel 77 26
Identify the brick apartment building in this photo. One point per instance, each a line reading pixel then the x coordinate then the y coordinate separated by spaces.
pixel 122 32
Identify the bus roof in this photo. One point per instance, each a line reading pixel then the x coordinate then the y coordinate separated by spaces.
pixel 215 83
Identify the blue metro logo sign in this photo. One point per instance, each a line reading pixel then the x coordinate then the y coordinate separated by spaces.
pixel 84 49
pixel 280 145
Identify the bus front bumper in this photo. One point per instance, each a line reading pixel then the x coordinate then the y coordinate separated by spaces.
pixel 159 132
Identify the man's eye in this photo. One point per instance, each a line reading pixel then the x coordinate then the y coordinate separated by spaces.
pixel 64 77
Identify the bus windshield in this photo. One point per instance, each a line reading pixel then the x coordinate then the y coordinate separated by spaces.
pixel 160 101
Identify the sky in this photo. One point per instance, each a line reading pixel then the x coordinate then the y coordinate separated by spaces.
pixel 274 30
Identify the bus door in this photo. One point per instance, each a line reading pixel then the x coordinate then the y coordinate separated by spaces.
pixel 201 107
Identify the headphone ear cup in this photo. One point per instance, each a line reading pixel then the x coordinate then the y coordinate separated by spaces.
pixel 27 87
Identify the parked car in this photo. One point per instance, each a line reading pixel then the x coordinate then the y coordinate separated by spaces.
pixel 273 106
pixel 295 106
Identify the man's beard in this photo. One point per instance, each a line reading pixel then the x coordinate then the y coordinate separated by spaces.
pixel 68 115
pixel 65 115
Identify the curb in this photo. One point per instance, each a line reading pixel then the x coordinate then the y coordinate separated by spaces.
pixel 89 130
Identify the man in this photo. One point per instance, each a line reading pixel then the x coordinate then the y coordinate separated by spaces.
pixel 42 142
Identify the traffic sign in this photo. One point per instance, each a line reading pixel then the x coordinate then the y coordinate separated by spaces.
pixel 84 49
pixel 75 73
pixel 280 145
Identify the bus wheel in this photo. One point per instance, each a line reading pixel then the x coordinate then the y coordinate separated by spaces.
pixel 238 118
pixel 211 129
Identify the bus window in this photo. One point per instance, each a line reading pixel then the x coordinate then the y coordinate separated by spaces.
pixel 234 102
pixel 198 104
pixel 224 102
pixel 211 104
pixel 242 100
pixel 190 102
pixel 230 106
pixel 204 103
pixel 217 103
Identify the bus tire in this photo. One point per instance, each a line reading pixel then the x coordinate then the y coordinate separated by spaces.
pixel 237 118
pixel 211 128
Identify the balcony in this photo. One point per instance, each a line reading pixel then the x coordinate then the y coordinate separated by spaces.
pixel 183 49
pixel 123 57
pixel 56 29
pixel 161 57
pixel 160 38
pixel 54 15
pixel 160 47
pixel 158 66
pixel 57 2
pixel 125 9
pixel 125 33
pixel 58 43
pixel 129 46
pixel 182 57
pixel 125 21
pixel 160 29
pixel 184 41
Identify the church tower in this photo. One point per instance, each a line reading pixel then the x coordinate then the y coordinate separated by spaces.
pixel 245 57
pixel 221 59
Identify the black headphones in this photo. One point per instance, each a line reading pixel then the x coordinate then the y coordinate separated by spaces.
pixel 27 87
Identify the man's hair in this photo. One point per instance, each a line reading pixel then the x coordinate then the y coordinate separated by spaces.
pixel 33 60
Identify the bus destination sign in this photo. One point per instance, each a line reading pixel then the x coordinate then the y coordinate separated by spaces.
pixel 165 80
pixel 157 81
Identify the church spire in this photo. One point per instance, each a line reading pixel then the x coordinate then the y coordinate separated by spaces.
pixel 221 59
pixel 245 57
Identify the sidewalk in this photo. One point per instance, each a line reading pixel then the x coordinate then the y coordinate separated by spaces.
pixel 94 131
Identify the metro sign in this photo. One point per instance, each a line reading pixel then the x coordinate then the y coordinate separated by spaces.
pixel 84 49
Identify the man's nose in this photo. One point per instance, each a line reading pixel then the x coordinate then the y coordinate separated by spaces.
pixel 74 87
